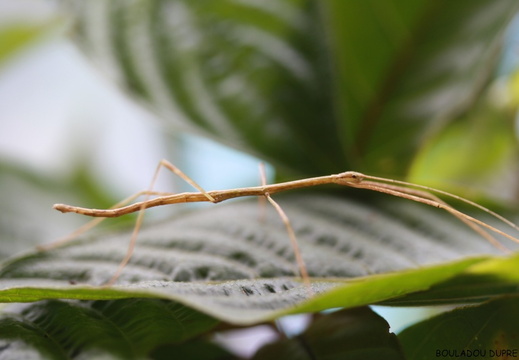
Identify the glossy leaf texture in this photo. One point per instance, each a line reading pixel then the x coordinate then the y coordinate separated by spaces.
pixel 244 271
pixel 123 329
pixel 347 334
pixel 314 87
pixel 481 282
pixel 485 331
pixel 407 68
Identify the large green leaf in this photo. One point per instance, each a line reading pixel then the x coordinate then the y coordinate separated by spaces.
pixel 475 156
pixel 348 334
pixel 227 262
pixel 404 67
pixel 479 283
pixel 317 87
pixel 246 73
pixel 488 331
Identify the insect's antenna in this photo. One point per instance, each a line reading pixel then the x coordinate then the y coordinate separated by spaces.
pixel 445 193
pixel 405 192
pixel 291 234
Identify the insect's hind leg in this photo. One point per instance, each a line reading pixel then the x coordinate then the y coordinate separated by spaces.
pixel 93 223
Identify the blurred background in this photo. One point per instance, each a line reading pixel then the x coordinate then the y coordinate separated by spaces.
pixel 68 134
pixel 63 123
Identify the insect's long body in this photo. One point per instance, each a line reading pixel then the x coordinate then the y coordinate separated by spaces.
pixel 354 179
pixel 215 196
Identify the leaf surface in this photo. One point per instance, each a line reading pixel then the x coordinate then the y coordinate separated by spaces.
pixel 123 329
pixel 404 68
pixel 479 283
pixel 244 271
pixel 348 334
pixel 485 331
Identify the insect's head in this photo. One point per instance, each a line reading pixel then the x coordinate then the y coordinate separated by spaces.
pixel 350 177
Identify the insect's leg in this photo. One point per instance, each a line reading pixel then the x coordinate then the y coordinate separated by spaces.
pixel 432 200
pixel 140 217
pixel 293 240
pixel 262 199
pixel 168 165
pixel 91 224
pixel 291 234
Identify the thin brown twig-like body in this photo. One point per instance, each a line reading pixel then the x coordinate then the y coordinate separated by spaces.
pixel 414 192
pixel 186 197
pixel 348 178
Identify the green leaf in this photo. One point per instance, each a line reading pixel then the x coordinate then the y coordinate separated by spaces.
pixel 244 272
pixel 195 349
pixel 486 331
pixel 316 87
pixel 348 334
pixel 478 283
pixel 125 329
pixel 404 68
pixel 247 74
pixel 475 157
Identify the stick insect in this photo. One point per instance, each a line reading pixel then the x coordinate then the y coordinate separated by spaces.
pixel 402 189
